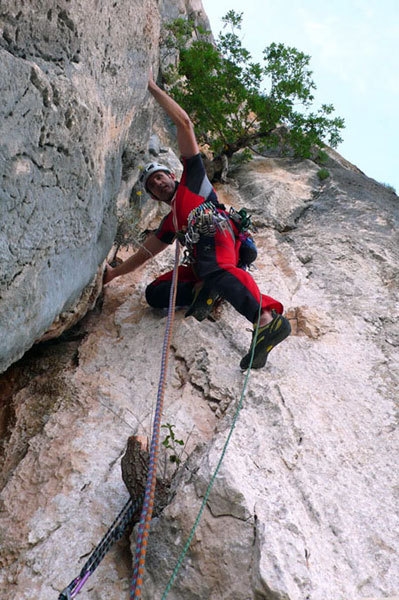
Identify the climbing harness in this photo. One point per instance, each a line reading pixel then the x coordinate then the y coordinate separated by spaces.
pixel 114 533
pixel 149 494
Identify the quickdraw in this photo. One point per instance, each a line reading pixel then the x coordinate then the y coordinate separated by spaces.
pixel 248 252
pixel 242 219
pixel 206 219
pixel 114 533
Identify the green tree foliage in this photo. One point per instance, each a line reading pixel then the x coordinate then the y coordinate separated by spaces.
pixel 237 104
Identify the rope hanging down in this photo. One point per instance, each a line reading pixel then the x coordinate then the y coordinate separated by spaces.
pixel 149 495
pixel 208 489
pixel 124 518
pixel 114 533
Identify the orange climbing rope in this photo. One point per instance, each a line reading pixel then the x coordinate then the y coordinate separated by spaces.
pixel 119 526
pixel 148 504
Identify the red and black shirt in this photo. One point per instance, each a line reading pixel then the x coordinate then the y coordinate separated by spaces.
pixel 193 189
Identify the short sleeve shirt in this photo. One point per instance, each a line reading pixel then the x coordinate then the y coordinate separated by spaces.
pixel 193 189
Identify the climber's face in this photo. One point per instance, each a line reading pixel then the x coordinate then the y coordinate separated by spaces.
pixel 162 186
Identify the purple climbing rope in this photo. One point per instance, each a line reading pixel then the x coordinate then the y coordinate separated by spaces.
pixel 149 495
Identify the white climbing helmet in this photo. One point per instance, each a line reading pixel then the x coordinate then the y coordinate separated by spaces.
pixel 150 169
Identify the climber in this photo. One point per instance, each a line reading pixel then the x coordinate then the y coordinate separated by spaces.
pixel 213 271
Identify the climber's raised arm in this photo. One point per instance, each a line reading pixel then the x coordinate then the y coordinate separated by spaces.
pixel 186 139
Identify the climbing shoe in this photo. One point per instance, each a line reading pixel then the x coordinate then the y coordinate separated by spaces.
pixel 203 303
pixel 265 339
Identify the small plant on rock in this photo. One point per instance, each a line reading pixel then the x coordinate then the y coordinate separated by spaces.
pixel 323 174
pixel 127 232
pixel 172 443
pixel 389 187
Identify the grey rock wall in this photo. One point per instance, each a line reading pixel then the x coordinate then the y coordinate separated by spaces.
pixel 73 85
pixel 305 503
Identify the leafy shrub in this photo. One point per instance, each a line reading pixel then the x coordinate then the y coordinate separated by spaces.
pixel 225 94
pixel 127 232
pixel 389 187
pixel 323 174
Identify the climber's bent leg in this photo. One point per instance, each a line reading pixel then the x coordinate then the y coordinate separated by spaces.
pixel 157 293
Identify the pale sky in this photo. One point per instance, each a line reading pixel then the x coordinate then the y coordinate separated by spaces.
pixel 354 50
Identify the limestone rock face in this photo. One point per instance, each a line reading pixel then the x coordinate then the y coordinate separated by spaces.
pixel 73 85
pixel 305 501
pixel 304 504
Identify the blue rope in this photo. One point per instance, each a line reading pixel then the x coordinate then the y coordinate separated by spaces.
pixel 209 488
pixel 114 533
pixel 123 519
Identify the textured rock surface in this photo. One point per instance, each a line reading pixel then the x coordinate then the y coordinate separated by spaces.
pixel 74 116
pixel 305 503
